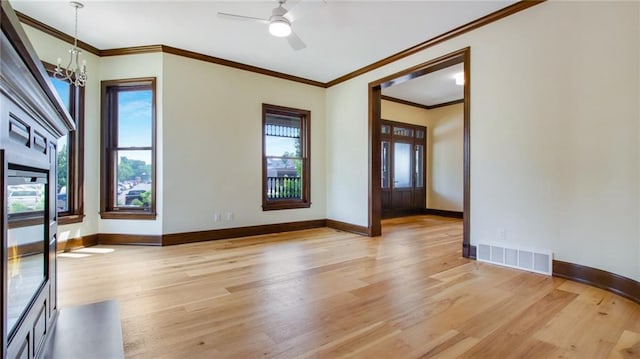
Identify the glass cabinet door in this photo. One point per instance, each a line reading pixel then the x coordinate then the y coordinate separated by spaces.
pixel 26 241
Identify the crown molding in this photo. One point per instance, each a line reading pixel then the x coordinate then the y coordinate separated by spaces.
pixel 485 20
pixel 55 33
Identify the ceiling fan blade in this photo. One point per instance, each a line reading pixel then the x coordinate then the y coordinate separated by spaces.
pixel 242 17
pixel 295 42
pixel 292 13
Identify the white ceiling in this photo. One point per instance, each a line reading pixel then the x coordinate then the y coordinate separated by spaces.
pixel 341 36
pixel 431 89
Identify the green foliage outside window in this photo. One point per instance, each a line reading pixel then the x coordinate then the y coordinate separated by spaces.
pixel 129 170
pixel 146 200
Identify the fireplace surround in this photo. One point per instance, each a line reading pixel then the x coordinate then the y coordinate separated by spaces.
pixel 32 118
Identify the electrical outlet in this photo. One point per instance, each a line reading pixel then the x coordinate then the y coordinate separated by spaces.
pixel 217 217
pixel 502 234
pixel 229 216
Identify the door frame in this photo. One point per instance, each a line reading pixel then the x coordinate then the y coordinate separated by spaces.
pixel 375 97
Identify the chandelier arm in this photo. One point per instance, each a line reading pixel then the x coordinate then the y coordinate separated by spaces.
pixel 74 72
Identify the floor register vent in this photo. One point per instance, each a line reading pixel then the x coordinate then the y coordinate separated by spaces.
pixel 530 260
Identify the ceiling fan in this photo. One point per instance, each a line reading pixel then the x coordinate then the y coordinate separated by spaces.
pixel 279 24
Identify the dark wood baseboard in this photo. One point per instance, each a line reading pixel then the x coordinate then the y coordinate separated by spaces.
pixel 348 227
pixel 612 282
pixel 190 237
pixel 77 243
pixel 443 213
pixel 116 238
pixel 402 213
pixel 187 237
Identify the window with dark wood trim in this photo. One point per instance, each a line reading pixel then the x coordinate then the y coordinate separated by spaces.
pixel 70 161
pixel 286 134
pixel 128 165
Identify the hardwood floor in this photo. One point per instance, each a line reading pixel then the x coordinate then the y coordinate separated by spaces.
pixel 328 294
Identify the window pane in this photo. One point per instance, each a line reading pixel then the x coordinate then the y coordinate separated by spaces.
pixel 400 131
pixel 282 136
pixel 282 146
pixel 133 179
pixel 282 125
pixel 62 199
pixel 385 164
pixel 385 129
pixel 419 167
pixel 402 164
pixel 135 118
pixel 63 88
pixel 419 134
pixel 284 178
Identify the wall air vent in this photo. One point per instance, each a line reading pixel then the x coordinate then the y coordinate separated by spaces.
pixel 538 261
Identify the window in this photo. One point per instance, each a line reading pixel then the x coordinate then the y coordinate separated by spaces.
pixel 128 155
pixel 69 190
pixel 286 153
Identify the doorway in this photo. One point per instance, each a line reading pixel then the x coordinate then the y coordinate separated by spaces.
pixel 403 161
pixel 375 143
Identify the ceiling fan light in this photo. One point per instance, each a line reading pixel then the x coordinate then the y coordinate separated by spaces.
pixel 279 28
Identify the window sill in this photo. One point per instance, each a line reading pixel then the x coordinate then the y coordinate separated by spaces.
pixel 149 216
pixel 70 219
pixel 276 206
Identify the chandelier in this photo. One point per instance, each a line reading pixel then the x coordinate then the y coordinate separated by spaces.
pixel 75 73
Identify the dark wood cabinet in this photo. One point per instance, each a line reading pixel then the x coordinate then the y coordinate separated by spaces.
pixel 32 118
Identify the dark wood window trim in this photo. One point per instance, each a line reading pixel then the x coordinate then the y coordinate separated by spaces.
pixel 109 146
pixel 305 149
pixel 75 182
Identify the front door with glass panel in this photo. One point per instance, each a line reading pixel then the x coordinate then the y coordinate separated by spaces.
pixel 403 163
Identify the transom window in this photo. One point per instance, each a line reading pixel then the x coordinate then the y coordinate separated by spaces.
pixel 128 156
pixel 286 154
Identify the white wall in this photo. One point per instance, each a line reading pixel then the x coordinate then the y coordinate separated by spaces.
pixel 136 66
pixel 213 145
pixel 445 176
pixel 555 137
pixel 49 49
pixel 347 152
pixel 394 111
pixel 213 135
pixel 554 132
pixel 107 68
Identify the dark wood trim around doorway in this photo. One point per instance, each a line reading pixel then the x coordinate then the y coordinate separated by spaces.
pixel 375 96
pixel 419 105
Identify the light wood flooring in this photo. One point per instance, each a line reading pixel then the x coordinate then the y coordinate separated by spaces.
pixel 323 293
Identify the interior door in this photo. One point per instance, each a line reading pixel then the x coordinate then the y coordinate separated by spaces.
pixel 403 168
